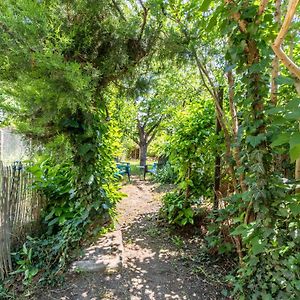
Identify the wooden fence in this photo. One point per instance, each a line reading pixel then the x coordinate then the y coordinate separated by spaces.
pixel 20 208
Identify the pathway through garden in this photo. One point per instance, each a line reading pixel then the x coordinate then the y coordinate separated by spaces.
pixel 158 264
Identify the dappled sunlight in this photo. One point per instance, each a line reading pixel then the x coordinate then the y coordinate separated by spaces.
pixel 155 267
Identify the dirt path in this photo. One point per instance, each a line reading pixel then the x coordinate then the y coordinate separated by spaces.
pixel 157 265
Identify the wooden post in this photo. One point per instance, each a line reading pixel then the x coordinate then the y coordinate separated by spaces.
pixel 217 176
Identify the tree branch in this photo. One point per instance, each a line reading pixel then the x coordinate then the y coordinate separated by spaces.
pixel 154 126
pixel 16 39
pixel 277 45
pixel 116 6
pixel 231 103
pixel 145 14
pixel 199 65
pixel 135 140
pixel 152 137
pixel 262 6
pixel 147 116
pixel 233 112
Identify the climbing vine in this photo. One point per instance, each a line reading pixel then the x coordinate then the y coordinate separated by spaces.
pixel 210 88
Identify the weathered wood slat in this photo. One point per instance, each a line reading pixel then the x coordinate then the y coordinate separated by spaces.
pixel 20 207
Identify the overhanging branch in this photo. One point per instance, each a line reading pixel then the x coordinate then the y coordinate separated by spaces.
pixel 116 6
pixel 145 14
pixel 277 45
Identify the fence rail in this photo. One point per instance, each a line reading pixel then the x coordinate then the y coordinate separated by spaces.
pixel 20 208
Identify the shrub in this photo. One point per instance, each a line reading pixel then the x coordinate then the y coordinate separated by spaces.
pixel 166 174
pixel 178 210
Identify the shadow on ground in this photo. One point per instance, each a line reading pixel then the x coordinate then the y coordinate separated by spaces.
pixel 158 264
pixel 156 267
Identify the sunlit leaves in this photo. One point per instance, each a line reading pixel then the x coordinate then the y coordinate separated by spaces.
pixel 293 139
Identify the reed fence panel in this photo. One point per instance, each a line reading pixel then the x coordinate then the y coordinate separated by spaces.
pixel 20 208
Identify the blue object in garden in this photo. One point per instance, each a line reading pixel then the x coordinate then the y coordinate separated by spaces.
pixel 123 168
pixel 152 169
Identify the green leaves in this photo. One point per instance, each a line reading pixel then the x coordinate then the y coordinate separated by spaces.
pixel 293 115
pixel 281 139
pixel 294 141
pixel 177 210
pixel 295 153
pixel 240 230
pixel 295 208
pixel 205 5
pixel 85 148
pixel 254 141
pixel 257 245
pixel 284 80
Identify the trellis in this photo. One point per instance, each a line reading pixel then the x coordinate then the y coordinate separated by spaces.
pixel 20 208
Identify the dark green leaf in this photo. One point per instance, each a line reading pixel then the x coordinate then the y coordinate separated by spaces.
pixel 258 246
pixel 54 221
pixel 295 139
pixel 294 104
pixel 295 153
pixel 284 80
pixel 295 208
pixel 83 149
pixel 240 230
pixel 281 139
pixel 256 139
pixel 293 115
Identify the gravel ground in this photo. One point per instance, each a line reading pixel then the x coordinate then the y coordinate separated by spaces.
pixel 158 264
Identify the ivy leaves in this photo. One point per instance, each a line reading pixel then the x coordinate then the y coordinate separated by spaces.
pixel 291 111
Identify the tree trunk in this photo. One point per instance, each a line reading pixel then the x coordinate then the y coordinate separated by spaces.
pixel 297 171
pixel 297 174
pixel 275 62
pixel 217 182
pixel 235 126
pixel 143 152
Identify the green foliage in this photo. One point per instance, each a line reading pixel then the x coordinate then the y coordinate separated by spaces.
pixel 60 60
pixel 262 221
pixel 4 293
pixel 58 102
pixel 74 203
pixel 58 63
pixel 166 174
pixel 191 148
pixel 288 113
pixel 272 264
pixel 48 255
pixel 178 210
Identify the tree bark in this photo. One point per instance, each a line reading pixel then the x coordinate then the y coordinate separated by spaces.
pixel 297 175
pixel 143 152
pixel 217 182
pixel 235 125
pixel 275 62
pixel 145 138
pixel 277 45
pixel 297 171
pixel 219 112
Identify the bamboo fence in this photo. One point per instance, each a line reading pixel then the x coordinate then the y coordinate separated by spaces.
pixel 20 208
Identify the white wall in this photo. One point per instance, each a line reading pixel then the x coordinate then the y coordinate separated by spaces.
pixel 12 146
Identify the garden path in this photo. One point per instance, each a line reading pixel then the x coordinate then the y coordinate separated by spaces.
pixel 158 265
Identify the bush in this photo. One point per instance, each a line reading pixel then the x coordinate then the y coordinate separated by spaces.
pixel 178 210
pixel 72 208
pixel 272 246
pixel 191 148
pixel 166 174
